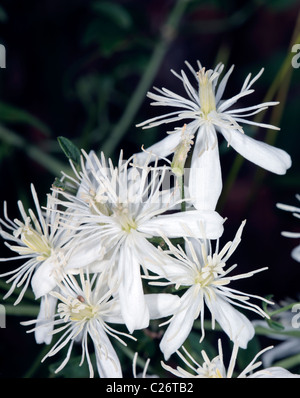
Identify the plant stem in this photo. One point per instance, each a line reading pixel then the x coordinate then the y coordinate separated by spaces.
pixel 288 363
pixel 283 309
pixel 22 310
pixel 168 34
pixel 181 187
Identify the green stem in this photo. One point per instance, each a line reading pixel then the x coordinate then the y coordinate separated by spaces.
pixel 168 34
pixel 283 309
pixel 21 310
pixel 288 363
pixel 181 187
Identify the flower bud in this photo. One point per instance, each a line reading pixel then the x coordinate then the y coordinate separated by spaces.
pixel 181 152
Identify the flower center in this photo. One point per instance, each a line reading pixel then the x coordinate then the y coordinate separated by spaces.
pixel 210 371
pixel 79 310
pixel 124 218
pixel 206 93
pixel 35 242
pixel 98 202
pixel 205 277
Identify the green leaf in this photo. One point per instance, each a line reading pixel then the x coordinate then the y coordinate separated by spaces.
pixel 70 150
pixel 275 325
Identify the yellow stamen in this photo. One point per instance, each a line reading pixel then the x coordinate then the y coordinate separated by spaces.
pixel 206 94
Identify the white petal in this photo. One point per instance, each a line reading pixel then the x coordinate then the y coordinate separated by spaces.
pixel 133 306
pixel 197 223
pixel 108 363
pixel 238 328
pixel 266 156
pixel 181 324
pixel 44 279
pixel 44 325
pixel 205 180
pixel 162 148
pixel 296 253
pixel 275 372
pixel 162 305
pixel 149 256
pixel 85 254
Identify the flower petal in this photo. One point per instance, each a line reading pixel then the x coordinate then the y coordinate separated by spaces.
pixel 162 148
pixel 44 279
pixel 238 328
pixel 181 323
pixel 275 372
pixel 44 326
pixel 108 363
pixel 133 306
pixel 197 223
pixel 162 305
pixel 205 180
pixel 296 253
pixel 264 155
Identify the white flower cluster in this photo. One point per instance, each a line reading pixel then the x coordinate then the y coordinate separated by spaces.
pixel 93 252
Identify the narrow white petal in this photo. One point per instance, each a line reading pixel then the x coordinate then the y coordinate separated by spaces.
pixel 108 363
pixel 162 148
pixel 266 156
pixel 275 372
pixel 181 324
pixel 296 253
pixel 44 325
pixel 85 254
pixel 205 180
pixel 197 223
pixel 133 306
pixel 162 305
pixel 238 328
pixel 44 279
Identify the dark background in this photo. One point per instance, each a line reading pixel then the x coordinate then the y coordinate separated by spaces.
pixel 73 68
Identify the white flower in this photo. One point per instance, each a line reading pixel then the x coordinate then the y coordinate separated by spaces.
pixel 83 312
pixel 39 243
pixel 85 309
pixel 215 368
pixel 296 210
pixel 210 113
pixel 203 272
pixel 119 209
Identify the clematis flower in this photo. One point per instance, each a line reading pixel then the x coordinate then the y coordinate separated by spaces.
pixel 86 307
pixel 39 243
pixel 203 272
pixel 42 246
pixel 296 210
pixel 216 369
pixel 120 209
pixel 209 113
